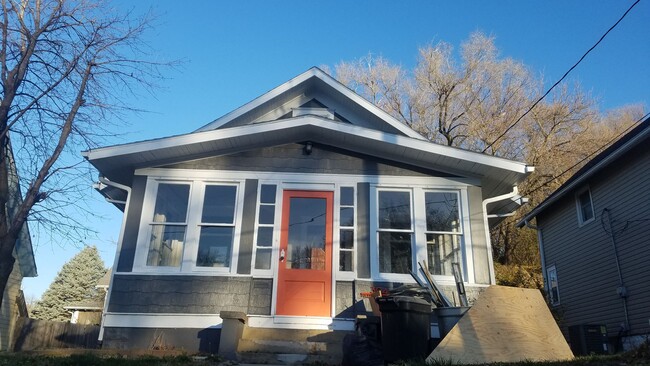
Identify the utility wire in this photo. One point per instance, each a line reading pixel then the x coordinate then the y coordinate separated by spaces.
pixel 562 78
pixel 590 155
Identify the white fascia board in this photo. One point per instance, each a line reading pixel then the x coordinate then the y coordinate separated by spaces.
pixel 563 190
pixel 327 79
pixel 313 121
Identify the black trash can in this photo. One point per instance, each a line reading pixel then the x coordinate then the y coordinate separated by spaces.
pixel 405 327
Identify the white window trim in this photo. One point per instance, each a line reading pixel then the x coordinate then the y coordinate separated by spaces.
pixel 550 269
pixel 277 220
pixel 192 230
pixel 581 220
pixel 418 225
pixel 344 275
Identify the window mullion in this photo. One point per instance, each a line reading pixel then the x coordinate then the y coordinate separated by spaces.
pixel 193 226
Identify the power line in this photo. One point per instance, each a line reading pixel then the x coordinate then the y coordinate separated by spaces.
pixel 562 78
pixel 590 155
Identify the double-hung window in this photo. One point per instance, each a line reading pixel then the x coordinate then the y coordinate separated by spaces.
pixel 417 224
pixel 443 231
pixel 395 231
pixel 188 226
pixel 217 226
pixel 584 206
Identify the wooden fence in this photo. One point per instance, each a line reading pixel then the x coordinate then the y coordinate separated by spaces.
pixel 32 334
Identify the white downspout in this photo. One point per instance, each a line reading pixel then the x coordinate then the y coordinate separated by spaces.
pixel 127 189
pixel 488 241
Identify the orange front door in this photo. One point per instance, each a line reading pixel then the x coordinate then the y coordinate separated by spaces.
pixel 305 268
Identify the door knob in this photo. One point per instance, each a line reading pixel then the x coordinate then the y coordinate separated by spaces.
pixel 282 255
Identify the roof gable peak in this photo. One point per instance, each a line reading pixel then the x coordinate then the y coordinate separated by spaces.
pixel 312 88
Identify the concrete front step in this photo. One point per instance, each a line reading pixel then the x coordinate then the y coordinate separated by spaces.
pixel 266 358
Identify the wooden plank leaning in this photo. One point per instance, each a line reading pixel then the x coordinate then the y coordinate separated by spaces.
pixel 438 297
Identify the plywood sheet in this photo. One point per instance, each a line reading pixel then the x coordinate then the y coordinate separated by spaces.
pixel 506 324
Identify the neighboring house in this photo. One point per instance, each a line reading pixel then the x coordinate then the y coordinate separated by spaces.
pixel 287 208
pixel 90 311
pixel 594 239
pixel 13 301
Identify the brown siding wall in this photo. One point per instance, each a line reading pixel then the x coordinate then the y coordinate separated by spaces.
pixel 584 256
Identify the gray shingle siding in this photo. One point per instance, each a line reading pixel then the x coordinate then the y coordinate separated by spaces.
pixel 179 294
pixel 584 256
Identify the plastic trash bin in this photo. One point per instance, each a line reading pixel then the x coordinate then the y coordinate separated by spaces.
pixel 405 327
pixel 448 317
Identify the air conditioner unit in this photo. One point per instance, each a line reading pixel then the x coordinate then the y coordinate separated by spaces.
pixel 588 339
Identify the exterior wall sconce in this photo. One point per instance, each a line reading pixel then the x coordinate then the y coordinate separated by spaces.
pixel 306 150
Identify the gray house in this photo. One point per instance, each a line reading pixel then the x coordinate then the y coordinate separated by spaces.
pixel 287 208
pixel 13 300
pixel 594 239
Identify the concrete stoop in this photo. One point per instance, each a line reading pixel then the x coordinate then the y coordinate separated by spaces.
pixel 290 346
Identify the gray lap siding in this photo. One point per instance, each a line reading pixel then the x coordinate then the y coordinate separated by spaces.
pixel 584 256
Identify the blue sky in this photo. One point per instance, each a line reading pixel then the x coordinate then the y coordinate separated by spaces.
pixel 233 51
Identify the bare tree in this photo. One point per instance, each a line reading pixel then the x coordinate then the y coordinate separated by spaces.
pixel 66 67
pixel 468 100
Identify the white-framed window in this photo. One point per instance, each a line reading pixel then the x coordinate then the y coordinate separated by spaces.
pixel 584 206
pixel 443 231
pixel 415 224
pixel 552 286
pixel 189 226
pixel 265 227
pixel 394 231
pixel 347 233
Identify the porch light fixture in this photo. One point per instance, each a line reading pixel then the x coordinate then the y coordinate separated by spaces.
pixel 307 149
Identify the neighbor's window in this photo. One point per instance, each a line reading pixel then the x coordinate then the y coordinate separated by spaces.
pixel 217 226
pixel 443 231
pixel 584 206
pixel 265 226
pixel 346 223
pixel 395 231
pixel 552 286
pixel 168 225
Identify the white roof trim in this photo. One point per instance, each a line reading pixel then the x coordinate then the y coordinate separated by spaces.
pixel 313 121
pixel 327 79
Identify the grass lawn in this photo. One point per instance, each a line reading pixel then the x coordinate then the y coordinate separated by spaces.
pixel 640 356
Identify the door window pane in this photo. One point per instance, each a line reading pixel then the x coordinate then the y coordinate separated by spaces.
pixel 214 246
pixel 267 193
pixel 395 252
pixel 263 258
pixel 345 260
pixel 347 196
pixel 219 204
pixel 306 237
pixel 267 214
pixel 394 210
pixel 347 216
pixel 171 202
pixel 166 245
pixel 264 236
pixel 442 211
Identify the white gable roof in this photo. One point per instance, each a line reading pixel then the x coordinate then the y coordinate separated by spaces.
pixel 310 85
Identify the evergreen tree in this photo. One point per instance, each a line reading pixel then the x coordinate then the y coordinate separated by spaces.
pixel 74 283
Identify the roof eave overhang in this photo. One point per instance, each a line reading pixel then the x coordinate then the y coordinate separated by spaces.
pixel 580 180
pixel 310 128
